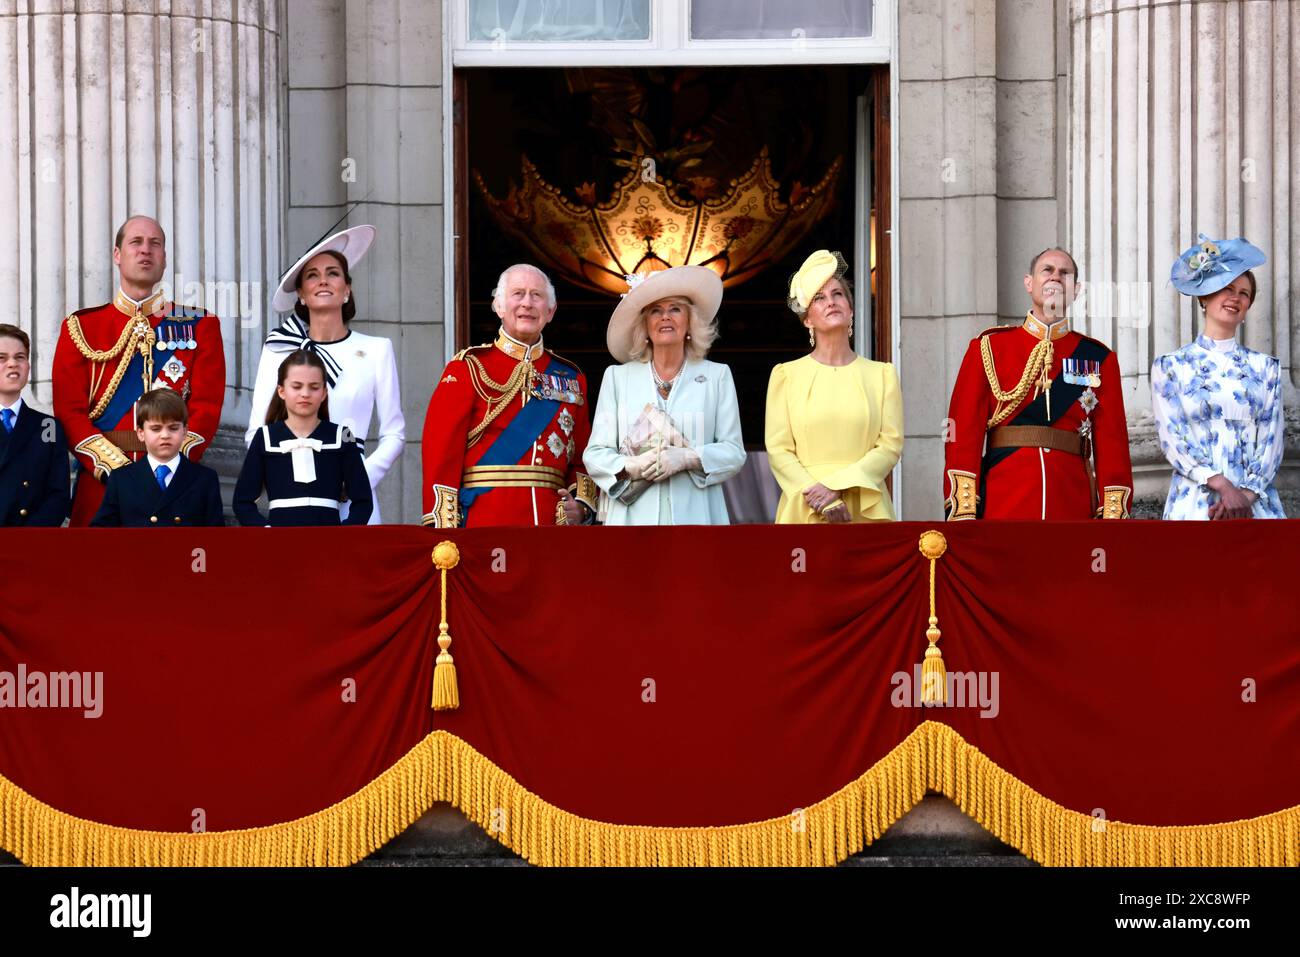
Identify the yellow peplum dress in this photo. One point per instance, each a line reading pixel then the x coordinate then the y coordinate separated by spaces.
pixel 838 425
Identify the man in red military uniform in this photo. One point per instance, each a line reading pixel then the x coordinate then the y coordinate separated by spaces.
pixel 508 423
pixel 110 355
pixel 1049 402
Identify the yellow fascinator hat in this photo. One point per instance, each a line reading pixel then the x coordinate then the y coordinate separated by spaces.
pixel 816 271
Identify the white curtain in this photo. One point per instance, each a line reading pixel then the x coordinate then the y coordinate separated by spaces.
pixel 532 21
pixel 779 19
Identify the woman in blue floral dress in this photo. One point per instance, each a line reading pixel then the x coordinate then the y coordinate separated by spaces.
pixel 1217 404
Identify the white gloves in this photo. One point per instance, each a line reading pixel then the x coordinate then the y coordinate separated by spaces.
pixel 671 460
pixel 636 465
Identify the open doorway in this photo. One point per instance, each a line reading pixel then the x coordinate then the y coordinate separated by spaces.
pixel 708 134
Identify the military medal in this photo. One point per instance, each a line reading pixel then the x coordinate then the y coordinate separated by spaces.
pixel 161 344
pixel 1088 400
pixel 546 386
pixel 565 422
pixel 190 342
pixel 1085 372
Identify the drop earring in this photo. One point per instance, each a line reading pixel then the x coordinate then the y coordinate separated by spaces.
pixel 812 338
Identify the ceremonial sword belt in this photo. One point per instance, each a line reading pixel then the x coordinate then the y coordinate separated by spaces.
pixel 1035 436
pixel 512 476
pixel 126 440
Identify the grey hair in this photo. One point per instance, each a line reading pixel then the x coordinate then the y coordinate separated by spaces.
pixel 702 334
pixel 498 293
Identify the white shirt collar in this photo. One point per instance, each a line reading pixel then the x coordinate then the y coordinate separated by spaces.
pixel 173 465
pixel 17 407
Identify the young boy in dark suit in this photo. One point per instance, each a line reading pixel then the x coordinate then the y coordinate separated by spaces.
pixel 33 449
pixel 165 488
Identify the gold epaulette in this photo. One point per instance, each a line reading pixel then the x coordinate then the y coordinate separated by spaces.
pixel 460 356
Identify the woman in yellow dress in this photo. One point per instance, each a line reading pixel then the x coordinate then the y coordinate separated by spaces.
pixel 834 419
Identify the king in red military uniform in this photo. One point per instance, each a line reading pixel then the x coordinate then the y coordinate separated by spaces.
pixel 1048 401
pixel 508 423
pixel 109 356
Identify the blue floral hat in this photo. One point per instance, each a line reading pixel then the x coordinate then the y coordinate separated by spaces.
pixel 1211 264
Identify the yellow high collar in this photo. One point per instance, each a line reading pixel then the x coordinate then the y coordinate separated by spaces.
pixel 146 307
pixel 516 349
pixel 1041 330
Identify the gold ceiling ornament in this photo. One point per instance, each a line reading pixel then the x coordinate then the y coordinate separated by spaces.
pixel 650 223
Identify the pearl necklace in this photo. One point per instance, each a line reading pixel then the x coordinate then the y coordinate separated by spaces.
pixel 665 385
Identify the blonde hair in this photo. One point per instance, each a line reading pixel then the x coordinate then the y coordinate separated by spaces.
pixel 700 335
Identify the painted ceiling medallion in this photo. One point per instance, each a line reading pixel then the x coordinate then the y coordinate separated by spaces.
pixel 650 223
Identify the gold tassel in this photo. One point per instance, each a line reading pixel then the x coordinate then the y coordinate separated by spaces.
pixel 934 680
pixel 446 696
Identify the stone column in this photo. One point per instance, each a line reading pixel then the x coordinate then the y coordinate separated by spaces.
pixel 1184 119
pixel 168 108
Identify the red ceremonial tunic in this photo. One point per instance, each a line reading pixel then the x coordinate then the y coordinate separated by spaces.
pixel 505 431
pixel 96 405
pixel 1035 482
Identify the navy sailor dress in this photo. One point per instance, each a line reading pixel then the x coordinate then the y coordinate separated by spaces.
pixel 304 479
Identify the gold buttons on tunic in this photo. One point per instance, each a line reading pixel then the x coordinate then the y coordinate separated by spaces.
pixel 154 519
pixel 26 483
pixel 177 519
pixel 22 512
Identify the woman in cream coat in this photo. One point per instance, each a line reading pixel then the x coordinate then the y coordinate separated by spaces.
pixel 666 433
pixel 834 419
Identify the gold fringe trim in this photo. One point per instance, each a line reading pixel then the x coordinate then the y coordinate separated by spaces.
pixel 443 767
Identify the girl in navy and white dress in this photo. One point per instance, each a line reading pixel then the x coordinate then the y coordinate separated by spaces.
pixel 306 464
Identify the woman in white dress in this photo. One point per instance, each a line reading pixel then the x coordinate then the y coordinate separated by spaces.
pixel 1217 404
pixel 361 370
pixel 666 433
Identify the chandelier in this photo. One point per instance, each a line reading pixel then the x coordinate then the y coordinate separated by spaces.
pixel 650 223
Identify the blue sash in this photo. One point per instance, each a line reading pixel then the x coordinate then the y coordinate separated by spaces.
pixel 129 390
pixel 517 437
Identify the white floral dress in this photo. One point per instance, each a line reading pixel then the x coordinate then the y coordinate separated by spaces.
pixel 1218 410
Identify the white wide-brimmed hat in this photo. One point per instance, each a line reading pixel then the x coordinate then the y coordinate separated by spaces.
pixel 701 285
pixel 352 243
